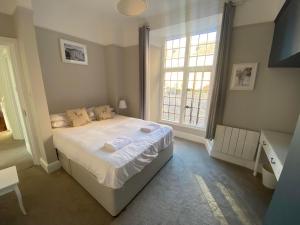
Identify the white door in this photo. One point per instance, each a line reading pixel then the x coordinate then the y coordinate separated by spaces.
pixel 8 101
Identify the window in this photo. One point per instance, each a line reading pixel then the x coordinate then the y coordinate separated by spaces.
pixel 188 67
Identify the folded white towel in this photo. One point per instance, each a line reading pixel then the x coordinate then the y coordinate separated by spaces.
pixel 117 144
pixel 150 128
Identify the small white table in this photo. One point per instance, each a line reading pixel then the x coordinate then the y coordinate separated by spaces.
pixel 9 182
pixel 276 146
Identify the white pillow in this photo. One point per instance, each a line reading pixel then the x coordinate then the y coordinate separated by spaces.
pixel 59 117
pixel 91 113
pixel 60 124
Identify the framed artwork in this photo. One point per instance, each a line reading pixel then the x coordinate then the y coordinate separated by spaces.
pixel 243 76
pixel 73 52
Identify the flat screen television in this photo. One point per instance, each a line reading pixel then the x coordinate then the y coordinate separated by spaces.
pixel 286 41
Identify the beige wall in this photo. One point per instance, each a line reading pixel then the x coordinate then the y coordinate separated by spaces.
pixel 275 102
pixel 71 85
pixel 32 74
pixel 131 80
pixel 114 64
pixel 7 26
pixel 112 74
pixel 122 67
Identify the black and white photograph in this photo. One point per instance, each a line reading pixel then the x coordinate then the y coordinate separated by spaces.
pixel 243 76
pixel 73 52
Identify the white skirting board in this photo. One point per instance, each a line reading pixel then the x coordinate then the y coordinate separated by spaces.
pixel 51 167
pixel 190 137
pixel 234 145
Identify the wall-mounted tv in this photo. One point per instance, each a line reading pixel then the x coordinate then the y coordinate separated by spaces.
pixel 286 41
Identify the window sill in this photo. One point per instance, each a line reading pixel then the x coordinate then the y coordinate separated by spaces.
pixel 183 126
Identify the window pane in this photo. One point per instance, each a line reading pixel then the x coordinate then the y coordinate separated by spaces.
pixel 176 43
pixel 169 54
pixel 197 99
pixel 212 37
pixel 202 49
pixel 209 60
pixel 168 63
pixel 175 63
pixel 203 39
pixel 207 76
pixel 183 42
pixel 198 85
pixel 167 76
pixel 194 39
pixel 182 53
pixel 181 62
pixel 180 75
pixel 200 61
pixel 194 51
pixel 175 53
pixel 172 93
pixel 199 76
pixel 169 44
pixel 210 49
pixel 193 61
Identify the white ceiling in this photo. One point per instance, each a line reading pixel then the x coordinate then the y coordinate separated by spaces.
pixel 99 21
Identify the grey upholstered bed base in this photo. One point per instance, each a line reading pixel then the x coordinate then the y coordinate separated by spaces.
pixel 114 200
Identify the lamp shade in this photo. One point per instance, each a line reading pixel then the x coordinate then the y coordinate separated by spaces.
pixel 122 104
pixel 132 7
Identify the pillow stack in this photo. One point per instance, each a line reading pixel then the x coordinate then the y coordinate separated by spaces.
pixel 59 120
pixel 81 116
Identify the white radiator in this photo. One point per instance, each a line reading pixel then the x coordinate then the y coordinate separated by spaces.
pixel 235 145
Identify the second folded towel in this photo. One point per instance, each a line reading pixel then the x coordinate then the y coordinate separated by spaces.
pixel 117 144
pixel 150 128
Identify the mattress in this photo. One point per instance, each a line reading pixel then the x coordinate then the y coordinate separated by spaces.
pixel 84 145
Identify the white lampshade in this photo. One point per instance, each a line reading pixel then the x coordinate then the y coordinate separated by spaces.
pixel 132 7
pixel 122 104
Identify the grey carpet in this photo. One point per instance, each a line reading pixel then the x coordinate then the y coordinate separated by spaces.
pixel 13 152
pixel 173 197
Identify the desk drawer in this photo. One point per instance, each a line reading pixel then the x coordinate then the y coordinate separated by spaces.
pixel 273 159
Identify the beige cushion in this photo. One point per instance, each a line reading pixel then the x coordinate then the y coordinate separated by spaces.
pixel 78 117
pixel 103 112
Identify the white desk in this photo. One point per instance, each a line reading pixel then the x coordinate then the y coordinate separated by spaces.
pixel 276 146
pixel 9 182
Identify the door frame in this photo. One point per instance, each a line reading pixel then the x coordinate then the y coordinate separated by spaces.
pixel 21 88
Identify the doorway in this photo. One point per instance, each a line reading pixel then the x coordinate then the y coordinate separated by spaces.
pixel 15 146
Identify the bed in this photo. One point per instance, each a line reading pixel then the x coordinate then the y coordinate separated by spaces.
pixel 113 178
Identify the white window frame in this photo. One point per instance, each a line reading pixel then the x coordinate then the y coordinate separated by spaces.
pixel 186 69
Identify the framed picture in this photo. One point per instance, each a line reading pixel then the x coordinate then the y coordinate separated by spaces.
pixel 73 52
pixel 243 76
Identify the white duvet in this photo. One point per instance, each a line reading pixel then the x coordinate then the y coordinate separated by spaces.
pixel 112 169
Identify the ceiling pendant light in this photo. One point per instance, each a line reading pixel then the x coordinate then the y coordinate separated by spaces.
pixel 132 7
